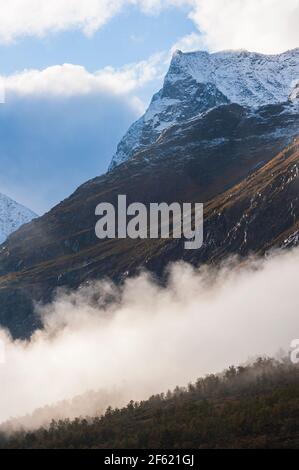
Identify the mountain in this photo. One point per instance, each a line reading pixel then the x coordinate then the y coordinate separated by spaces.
pixel 240 159
pixel 198 81
pixel 12 216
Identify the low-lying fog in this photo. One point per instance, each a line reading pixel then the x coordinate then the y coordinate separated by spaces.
pixel 143 338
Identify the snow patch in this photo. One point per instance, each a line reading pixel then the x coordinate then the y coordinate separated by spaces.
pixel 12 216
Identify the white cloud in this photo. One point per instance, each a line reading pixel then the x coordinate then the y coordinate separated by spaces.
pixel 39 17
pixel 74 80
pixel 189 43
pixel 262 25
pixel 269 26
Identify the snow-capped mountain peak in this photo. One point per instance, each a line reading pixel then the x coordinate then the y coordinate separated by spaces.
pixel 12 216
pixel 199 81
pixel 246 78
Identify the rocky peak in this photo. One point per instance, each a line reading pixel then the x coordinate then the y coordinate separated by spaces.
pixel 198 81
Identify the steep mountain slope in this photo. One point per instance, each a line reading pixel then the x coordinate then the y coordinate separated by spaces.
pixel 12 216
pixel 199 81
pixel 240 160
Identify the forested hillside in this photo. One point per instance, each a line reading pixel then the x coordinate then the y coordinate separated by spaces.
pixel 255 406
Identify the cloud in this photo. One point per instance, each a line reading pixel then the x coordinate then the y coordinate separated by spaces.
pixel 144 338
pixel 263 25
pixel 269 26
pixel 40 17
pixel 189 43
pixel 73 80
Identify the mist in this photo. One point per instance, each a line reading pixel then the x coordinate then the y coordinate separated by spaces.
pixel 144 338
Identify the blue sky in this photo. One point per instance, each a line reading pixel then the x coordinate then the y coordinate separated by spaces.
pixel 61 124
pixel 129 37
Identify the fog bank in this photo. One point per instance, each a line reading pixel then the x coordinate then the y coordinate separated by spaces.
pixel 143 338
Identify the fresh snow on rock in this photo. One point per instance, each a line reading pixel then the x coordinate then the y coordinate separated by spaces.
pixel 199 81
pixel 246 78
pixel 12 216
